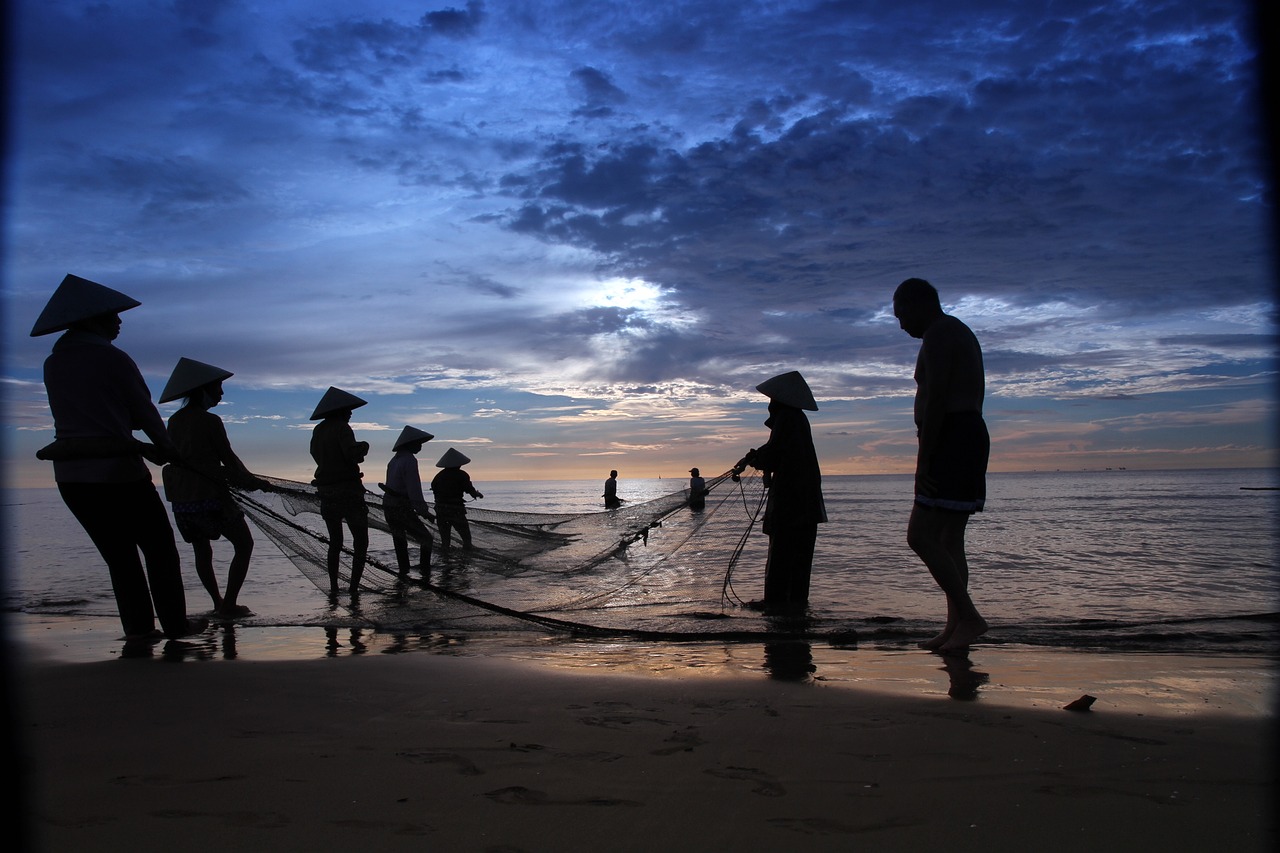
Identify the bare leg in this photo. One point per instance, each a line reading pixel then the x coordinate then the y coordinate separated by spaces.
pixel 334 527
pixel 203 549
pixel 241 539
pixel 359 547
pixel 937 537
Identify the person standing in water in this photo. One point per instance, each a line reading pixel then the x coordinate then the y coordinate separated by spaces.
pixel 403 503
pixel 338 480
pixel 449 487
pixel 611 499
pixel 795 506
pixel 98 398
pixel 196 486
pixel 697 490
pixel 951 462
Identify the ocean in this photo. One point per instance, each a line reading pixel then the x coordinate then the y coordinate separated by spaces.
pixel 1125 560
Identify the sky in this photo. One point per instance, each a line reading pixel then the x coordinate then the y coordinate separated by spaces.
pixel 569 237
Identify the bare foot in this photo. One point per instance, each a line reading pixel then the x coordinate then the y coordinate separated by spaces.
pixel 937 641
pixel 966 631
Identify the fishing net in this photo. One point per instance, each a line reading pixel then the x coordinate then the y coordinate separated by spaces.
pixel 656 568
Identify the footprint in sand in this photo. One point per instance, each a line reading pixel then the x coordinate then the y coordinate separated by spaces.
pixel 766 785
pixel 518 795
pixel 465 766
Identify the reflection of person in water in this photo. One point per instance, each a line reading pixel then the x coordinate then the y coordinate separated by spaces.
pixel 951 463
pixel 197 487
pixel 697 490
pixel 403 503
pixel 449 487
pixel 795 506
pixel 611 499
pixel 98 398
pixel 338 480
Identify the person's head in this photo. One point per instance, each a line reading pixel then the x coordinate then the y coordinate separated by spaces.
pixel 411 440
pixel 693 472
pixel 336 404
pixel 83 305
pixel 205 397
pixel 613 474
pixel 105 325
pixel 916 305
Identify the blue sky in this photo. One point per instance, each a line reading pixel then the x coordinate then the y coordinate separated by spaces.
pixel 573 236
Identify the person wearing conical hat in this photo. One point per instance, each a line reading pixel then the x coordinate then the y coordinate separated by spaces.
pixel 338 481
pixel 98 398
pixel 951 460
pixel 403 504
pixel 795 507
pixel 197 487
pixel 449 488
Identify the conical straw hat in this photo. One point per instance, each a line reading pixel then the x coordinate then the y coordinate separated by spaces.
pixel 189 375
pixel 452 459
pixel 335 400
pixel 789 389
pixel 411 435
pixel 79 299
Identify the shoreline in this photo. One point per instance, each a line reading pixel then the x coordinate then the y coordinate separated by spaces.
pixel 475 752
pixel 1173 684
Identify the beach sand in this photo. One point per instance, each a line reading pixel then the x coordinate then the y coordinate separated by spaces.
pixel 470 752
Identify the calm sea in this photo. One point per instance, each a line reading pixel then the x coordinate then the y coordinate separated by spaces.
pixel 1180 561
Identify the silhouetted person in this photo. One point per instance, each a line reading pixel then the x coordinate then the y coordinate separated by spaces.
pixel 403 503
pixel 795 506
pixel 196 486
pixel 338 481
pixel 951 463
pixel 611 499
pixel 697 490
pixel 98 398
pixel 449 487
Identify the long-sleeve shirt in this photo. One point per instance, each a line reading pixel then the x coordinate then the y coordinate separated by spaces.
pixel 449 485
pixel 404 480
pixel 337 453
pixel 96 391
pixel 790 460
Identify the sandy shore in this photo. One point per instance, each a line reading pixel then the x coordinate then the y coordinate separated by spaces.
pixel 452 752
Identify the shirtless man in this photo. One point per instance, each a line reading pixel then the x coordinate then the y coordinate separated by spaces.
pixel 951 463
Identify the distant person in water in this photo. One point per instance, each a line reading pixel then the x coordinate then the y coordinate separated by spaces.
pixel 98 398
pixel 449 488
pixel 403 503
pixel 339 481
pixel 951 463
pixel 196 486
pixel 795 506
pixel 697 490
pixel 611 499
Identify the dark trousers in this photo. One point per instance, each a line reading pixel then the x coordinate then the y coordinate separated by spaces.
pixel 790 562
pixel 123 519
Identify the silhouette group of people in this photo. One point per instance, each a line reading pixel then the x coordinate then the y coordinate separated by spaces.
pixel 98 398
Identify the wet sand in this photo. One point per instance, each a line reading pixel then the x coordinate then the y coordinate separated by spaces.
pixel 569 752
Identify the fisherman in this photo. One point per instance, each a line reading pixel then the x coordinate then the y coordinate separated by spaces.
pixel 403 503
pixel 449 486
pixel 203 507
pixel 98 398
pixel 697 490
pixel 338 481
pixel 795 506
pixel 611 499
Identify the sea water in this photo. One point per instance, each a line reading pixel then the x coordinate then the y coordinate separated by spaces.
pixel 1135 560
